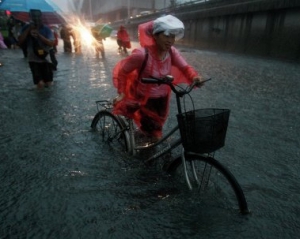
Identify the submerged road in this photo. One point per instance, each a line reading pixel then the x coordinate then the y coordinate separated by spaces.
pixel 58 180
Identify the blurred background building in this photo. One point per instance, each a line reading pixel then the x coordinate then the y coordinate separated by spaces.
pixel 115 10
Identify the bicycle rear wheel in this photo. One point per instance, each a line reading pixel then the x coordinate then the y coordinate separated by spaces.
pixel 112 129
pixel 211 180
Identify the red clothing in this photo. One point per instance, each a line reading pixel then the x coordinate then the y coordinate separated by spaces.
pixel 124 38
pixel 137 94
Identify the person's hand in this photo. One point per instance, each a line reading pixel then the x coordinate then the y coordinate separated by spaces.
pixel 32 26
pixel 118 98
pixel 198 81
pixel 34 33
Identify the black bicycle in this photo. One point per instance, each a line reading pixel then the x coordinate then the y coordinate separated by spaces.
pixel 202 132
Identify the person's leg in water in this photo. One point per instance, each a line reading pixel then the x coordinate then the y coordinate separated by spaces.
pixel 67 45
pixel 125 50
pixel 149 125
pixel 119 42
pixel 47 74
pixel 97 52
pixel 42 74
pixel 125 45
pixel 36 75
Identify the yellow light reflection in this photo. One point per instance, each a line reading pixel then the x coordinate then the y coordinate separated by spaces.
pixel 82 30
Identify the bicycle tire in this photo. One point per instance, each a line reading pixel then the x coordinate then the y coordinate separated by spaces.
pixel 112 129
pixel 220 183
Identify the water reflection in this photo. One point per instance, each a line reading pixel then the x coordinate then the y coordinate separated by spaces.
pixel 58 179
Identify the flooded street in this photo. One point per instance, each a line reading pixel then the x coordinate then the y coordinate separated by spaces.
pixel 58 180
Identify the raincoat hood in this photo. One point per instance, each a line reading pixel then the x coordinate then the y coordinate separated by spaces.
pixel 167 24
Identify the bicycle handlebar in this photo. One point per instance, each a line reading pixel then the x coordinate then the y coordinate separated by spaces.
pixel 168 80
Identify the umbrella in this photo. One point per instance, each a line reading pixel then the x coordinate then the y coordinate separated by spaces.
pixel 48 18
pixel 20 10
pixel 103 30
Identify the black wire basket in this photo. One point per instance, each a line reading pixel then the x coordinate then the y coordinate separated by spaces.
pixel 203 130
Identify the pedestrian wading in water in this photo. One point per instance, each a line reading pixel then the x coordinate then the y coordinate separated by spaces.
pixel 148 104
pixel 39 41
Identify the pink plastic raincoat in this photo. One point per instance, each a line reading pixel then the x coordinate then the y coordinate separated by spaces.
pixel 137 94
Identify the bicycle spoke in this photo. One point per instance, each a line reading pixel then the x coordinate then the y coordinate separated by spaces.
pixel 211 182
pixel 111 130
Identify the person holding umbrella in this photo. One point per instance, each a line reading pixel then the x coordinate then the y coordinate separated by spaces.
pixel 98 42
pixel 40 40
pixel 100 32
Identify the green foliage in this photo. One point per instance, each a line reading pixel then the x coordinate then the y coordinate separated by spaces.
pixel 3 26
pixel 4 33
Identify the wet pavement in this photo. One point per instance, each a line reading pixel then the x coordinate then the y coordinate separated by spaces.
pixel 59 181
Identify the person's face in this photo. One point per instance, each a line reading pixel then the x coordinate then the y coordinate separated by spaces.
pixel 164 42
pixel 36 18
pixel 37 21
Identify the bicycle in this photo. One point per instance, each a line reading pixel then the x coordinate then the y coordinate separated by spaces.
pixel 202 132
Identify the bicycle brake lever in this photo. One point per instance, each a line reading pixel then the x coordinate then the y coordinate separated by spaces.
pixel 169 78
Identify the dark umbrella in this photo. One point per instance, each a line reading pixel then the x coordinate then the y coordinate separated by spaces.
pixel 20 10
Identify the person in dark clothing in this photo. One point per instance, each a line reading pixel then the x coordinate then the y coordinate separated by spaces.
pixel 23 46
pixel 12 40
pixel 39 40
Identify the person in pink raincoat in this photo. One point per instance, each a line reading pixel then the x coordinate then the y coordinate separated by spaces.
pixel 2 44
pixel 148 104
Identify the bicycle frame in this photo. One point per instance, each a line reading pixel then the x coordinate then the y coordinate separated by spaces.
pixel 196 163
pixel 161 152
pixel 166 149
pixel 129 129
pixel 133 149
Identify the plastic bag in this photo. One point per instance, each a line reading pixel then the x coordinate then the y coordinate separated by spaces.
pixel 170 25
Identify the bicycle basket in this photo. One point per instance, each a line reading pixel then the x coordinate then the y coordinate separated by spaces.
pixel 203 130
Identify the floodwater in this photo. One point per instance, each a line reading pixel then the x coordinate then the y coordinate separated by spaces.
pixel 58 180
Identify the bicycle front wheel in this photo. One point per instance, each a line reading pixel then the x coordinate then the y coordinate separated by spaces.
pixel 211 180
pixel 112 129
